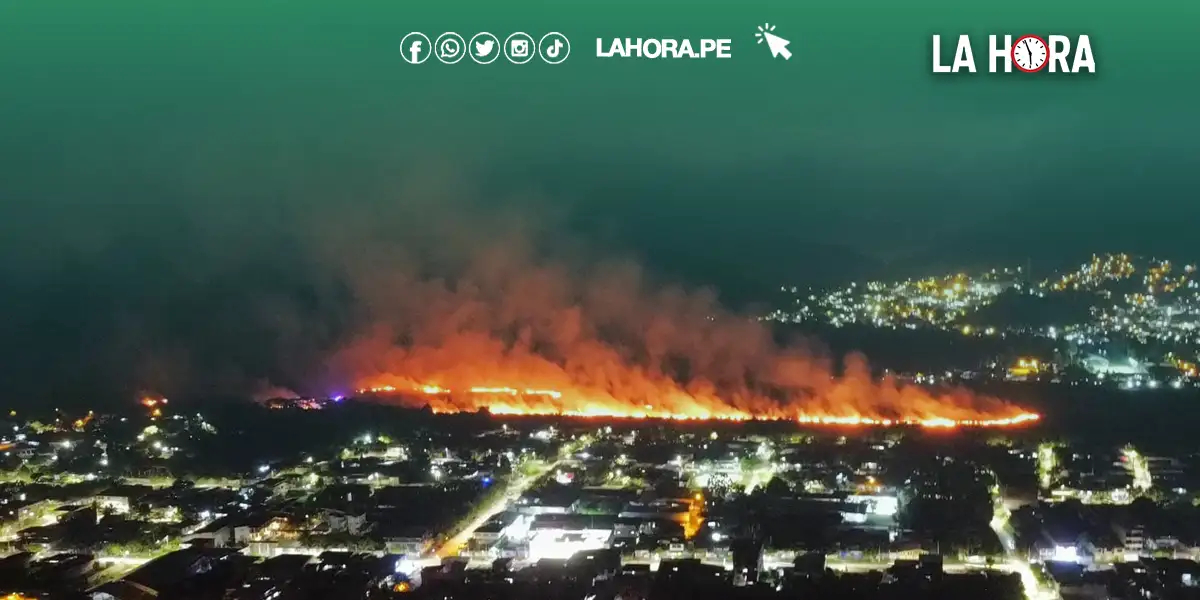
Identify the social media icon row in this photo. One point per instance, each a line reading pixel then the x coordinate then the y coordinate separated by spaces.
pixel 484 48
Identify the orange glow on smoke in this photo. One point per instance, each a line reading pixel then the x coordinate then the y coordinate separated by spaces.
pixel 512 334
pixel 504 400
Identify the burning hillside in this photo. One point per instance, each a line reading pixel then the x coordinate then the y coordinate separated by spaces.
pixel 513 335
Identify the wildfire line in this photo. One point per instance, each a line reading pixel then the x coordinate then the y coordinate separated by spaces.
pixel 496 405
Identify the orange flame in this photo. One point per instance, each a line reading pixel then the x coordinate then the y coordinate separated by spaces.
pixel 544 402
pixel 513 335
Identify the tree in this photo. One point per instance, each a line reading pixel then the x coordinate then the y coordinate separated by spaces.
pixel 1143 510
pixel 777 487
pixel 140 511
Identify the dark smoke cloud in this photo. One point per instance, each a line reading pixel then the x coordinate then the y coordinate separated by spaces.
pixel 426 281
pixel 480 298
pixel 234 292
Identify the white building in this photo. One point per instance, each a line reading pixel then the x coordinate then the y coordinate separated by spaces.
pixel 1099 365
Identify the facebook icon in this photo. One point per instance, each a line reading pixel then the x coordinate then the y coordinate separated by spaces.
pixel 415 48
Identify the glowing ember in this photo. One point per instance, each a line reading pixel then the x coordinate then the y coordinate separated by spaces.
pixel 533 402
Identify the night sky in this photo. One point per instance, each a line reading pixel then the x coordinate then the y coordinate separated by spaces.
pixel 175 178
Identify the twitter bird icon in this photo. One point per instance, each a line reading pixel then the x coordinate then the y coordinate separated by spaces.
pixel 484 47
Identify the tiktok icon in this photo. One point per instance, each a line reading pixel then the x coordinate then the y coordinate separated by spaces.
pixel 554 48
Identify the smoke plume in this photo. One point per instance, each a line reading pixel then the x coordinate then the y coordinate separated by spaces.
pixel 493 314
pixel 419 288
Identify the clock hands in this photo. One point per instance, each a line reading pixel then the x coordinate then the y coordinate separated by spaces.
pixel 1030 50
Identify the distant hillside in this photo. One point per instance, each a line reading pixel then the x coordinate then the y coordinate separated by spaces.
pixel 1016 309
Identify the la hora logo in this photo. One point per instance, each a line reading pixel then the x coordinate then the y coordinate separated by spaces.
pixel 1028 53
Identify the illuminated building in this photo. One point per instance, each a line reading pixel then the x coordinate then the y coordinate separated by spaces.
pixel 1100 365
pixel 561 536
pixel 1026 368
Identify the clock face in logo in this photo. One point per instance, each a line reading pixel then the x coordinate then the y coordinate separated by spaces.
pixel 1029 53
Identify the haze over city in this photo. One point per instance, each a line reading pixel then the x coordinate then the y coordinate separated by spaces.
pixel 288 314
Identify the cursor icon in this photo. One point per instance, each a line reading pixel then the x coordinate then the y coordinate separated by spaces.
pixel 776 44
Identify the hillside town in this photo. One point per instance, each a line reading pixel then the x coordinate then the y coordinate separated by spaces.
pixel 1115 321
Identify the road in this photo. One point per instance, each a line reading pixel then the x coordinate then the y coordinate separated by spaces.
pixel 1139 468
pixel 758 477
pixel 850 566
pixel 841 565
pixel 1014 561
pixel 1047 465
pixel 455 543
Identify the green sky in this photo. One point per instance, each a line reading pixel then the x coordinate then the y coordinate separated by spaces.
pixel 120 106
pixel 202 136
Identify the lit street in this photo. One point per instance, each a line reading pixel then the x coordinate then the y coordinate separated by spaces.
pixel 455 543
